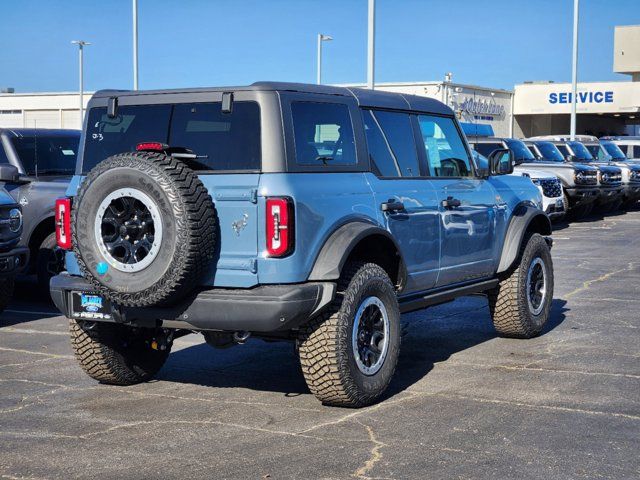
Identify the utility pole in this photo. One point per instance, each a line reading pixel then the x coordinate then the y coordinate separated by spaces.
pixel 81 44
pixel 371 37
pixel 574 70
pixel 135 44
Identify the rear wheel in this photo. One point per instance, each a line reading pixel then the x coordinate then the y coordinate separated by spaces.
pixel 520 305
pixel 349 354
pixel 6 292
pixel 117 354
pixel 49 262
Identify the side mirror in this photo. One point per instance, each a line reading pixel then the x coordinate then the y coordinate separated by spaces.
pixel 9 173
pixel 501 162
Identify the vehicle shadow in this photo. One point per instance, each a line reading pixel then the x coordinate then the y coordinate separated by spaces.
pixel 428 337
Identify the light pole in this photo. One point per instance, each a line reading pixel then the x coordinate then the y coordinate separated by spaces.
pixel 574 70
pixel 371 37
pixel 81 44
pixel 321 38
pixel 135 44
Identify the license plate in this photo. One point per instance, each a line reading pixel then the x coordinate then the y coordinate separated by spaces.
pixel 90 306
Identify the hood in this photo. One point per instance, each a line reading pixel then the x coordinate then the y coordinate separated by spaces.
pixel 533 173
pixel 5 198
pixel 607 168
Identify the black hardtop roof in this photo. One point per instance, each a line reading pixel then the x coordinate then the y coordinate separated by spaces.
pixel 32 132
pixel 364 97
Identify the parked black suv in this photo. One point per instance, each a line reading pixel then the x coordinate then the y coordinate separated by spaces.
pixel 12 257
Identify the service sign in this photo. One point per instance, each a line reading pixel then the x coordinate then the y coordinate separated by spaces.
pixel 610 97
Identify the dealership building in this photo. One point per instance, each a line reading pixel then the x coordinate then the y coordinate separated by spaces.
pixel 532 108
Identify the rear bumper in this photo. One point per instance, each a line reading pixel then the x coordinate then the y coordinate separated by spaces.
pixel 266 308
pixel 14 261
pixel 582 195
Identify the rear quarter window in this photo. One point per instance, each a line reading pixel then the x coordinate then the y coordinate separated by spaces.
pixel 220 141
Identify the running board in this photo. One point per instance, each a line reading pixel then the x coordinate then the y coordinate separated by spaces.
pixel 413 302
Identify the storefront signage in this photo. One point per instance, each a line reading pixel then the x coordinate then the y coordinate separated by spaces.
pixel 480 107
pixel 582 97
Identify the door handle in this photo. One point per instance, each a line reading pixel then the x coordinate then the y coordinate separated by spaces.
pixel 451 202
pixel 392 206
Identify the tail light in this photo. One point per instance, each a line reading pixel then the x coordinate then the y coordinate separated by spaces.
pixel 280 226
pixel 151 146
pixel 63 223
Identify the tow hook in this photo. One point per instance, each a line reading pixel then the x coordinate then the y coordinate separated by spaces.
pixel 163 341
pixel 241 336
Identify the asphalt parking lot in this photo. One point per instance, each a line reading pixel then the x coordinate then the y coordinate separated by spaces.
pixel 464 403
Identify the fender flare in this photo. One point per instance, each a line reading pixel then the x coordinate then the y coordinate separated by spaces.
pixel 523 217
pixel 340 244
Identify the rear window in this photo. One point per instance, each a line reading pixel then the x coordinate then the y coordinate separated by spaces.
pixel 47 154
pixel 220 141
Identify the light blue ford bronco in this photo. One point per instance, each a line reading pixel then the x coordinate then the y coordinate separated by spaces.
pixel 295 212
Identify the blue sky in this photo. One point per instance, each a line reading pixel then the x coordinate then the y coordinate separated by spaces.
pixel 495 43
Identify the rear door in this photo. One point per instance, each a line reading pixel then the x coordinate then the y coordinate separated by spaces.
pixel 406 200
pixel 466 204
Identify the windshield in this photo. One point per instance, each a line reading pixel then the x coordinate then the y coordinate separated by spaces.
pixel 615 152
pixel 598 152
pixel 218 141
pixel 47 154
pixel 520 150
pixel 581 152
pixel 550 152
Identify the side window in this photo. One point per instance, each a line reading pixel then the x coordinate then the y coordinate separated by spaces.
pixel 398 132
pixel 563 150
pixel 323 134
pixel 624 150
pixel 446 153
pixel 487 148
pixel 636 151
pixel 382 161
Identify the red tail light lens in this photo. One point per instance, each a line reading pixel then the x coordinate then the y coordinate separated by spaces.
pixel 279 226
pixel 63 223
pixel 153 146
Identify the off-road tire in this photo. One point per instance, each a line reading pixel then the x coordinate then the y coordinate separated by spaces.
pixel 45 261
pixel 326 354
pixel 116 354
pixel 188 222
pixel 6 292
pixel 508 301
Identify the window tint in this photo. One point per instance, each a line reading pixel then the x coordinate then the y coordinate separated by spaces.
pixel 563 150
pixel 486 148
pixel 399 135
pixel 520 150
pixel 323 134
pixel 636 152
pixel 384 165
pixel 550 152
pixel 220 141
pixel 624 149
pixel 47 154
pixel 446 153
pixel 3 154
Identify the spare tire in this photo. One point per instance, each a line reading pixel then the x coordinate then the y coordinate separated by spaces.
pixel 144 229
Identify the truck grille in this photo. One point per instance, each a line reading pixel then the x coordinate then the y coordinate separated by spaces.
pixel 551 187
pixel 610 178
pixel 588 178
pixel 7 238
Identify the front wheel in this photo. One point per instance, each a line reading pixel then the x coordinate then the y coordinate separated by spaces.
pixel 521 303
pixel 49 261
pixel 349 354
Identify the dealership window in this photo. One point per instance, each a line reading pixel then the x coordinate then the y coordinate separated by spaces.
pixel 382 160
pixel 323 134
pixel 446 153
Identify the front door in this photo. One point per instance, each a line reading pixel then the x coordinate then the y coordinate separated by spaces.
pixel 467 204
